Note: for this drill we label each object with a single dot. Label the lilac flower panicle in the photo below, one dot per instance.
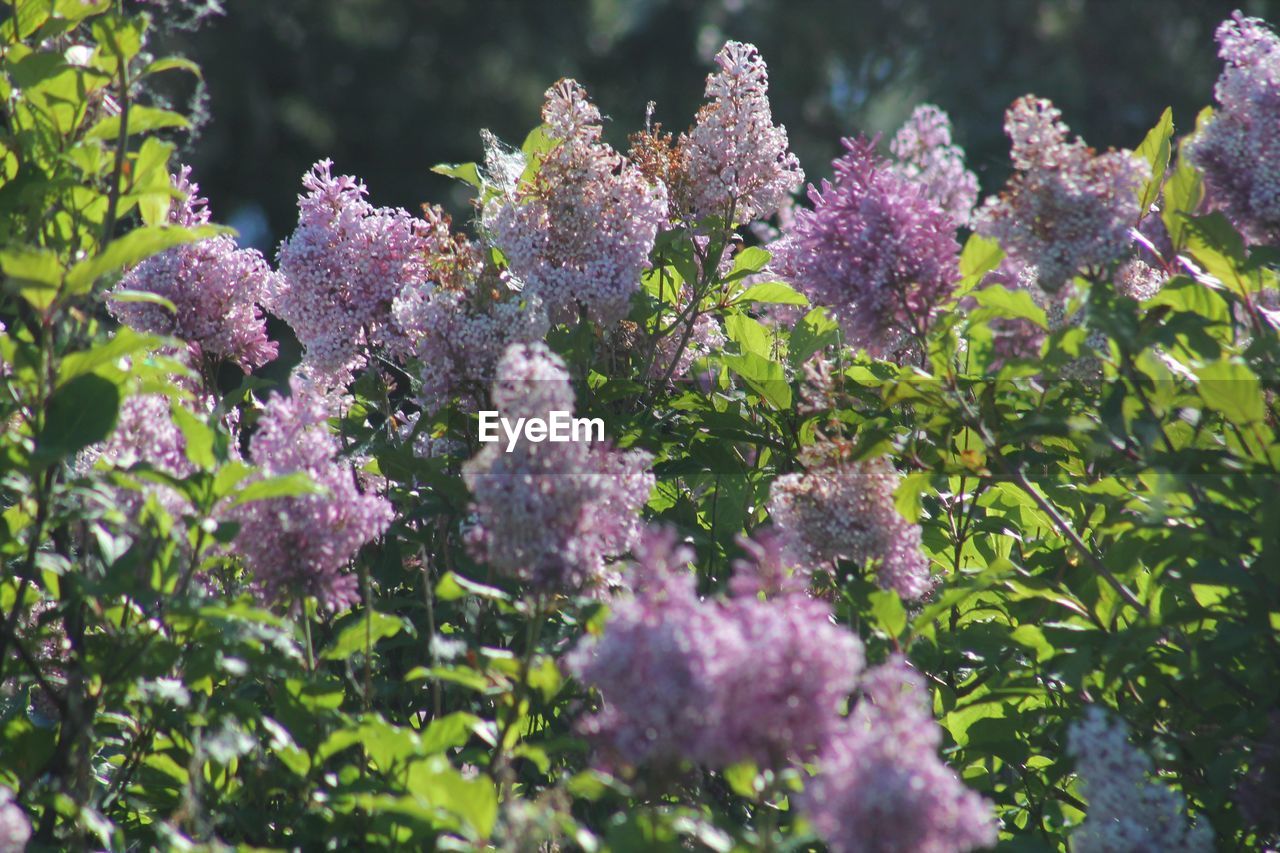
(769, 566)
(925, 153)
(712, 682)
(880, 785)
(552, 514)
(579, 233)
(1238, 149)
(735, 157)
(875, 248)
(1127, 811)
(846, 510)
(299, 545)
(215, 286)
(341, 269)
(1066, 207)
(458, 323)
(15, 827)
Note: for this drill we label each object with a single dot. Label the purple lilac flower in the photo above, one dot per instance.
(669, 359)
(215, 287)
(580, 231)
(458, 323)
(552, 513)
(341, 268)
(735, 158)
(299, 545)
(845, 510)
(15, 827)
(925, 153)
(711, 682)
(1127, 811)
(875, 248)
(1238, 149)
(1065, 207)
(880, 784)
(769, 567)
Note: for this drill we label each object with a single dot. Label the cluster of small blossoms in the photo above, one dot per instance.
(552, 513)
(1126, 811)
(875, 248)
(1238, 150)
(340, 270)
(844, 510)
(214, 286)
(1139, 280)
(880, 784)
(15, 828)
(146, 433)
(1066, 207)
(298, 546)
(925, 153)
(735, 160)
(579, 233)
(458, 323)
(712, 682)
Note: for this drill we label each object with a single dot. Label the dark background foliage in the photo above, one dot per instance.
(387, 88)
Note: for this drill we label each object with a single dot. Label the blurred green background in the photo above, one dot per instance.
(387, 88)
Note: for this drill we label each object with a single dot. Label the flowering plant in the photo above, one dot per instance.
(919, 524)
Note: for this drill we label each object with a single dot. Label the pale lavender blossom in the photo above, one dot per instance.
(15, 827)
(675, 352)
(1066, 207)
(735, 161)
(458, 322)
(1127, 810)
(215, 287)
(300, 545)
(1139, 280)
(711, 682)
(578, 234)
(845, 510)
(553, 514)
(924, 152)
(341, 268)
(769, 567)
(880, 785)
(1238, 149)
(875, 249)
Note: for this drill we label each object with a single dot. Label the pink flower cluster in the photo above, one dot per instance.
(925, 153)
(1066, 207)
(299, 545)
(845, 510)
(880, 785)
(458, 323)
(15, 827)
(1239, 149)
(875, 248)
(578, 234)
(1126, 810)
(712, 682)
(735, 160)
(214, 286)
(340, 270)
(552, 513)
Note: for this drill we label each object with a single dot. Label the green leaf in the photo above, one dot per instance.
(35, 273)
(369, 627)
(172, 63)
(198, 437)
(283, 486)
(889, 614)
(980, 256)
(133, 248)
(453, 586)
(80, 413)
(1155, 149)
(814, 331)
(749, 334)
(1232, 389)
(141, 120)
(142, 296)
(764, 376)
(468, 173)
(449, 731)
(771, 292)
(1183, 193)
(1004, 302)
